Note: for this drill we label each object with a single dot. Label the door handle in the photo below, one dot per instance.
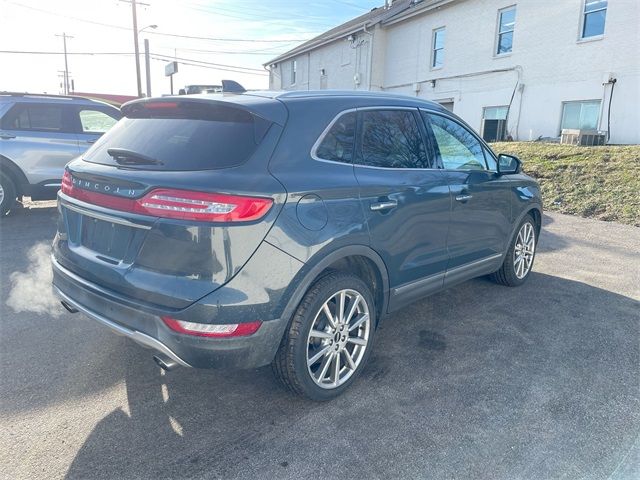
(463, 198)
(386, 205)
(6, 136)
(92, 141)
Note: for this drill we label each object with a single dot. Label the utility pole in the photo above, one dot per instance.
(147, 66)
(136, 48)
(66, 63)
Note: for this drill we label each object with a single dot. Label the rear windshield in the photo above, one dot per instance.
(226, 138)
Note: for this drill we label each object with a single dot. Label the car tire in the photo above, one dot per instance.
(519, 259)
(8, 194)
(340, 346)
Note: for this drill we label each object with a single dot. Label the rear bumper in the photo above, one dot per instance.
(150, 331)
(138, 337)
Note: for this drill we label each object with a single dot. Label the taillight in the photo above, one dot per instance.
(210, 330)
(67, 183)
(177, 204)
(208, 207)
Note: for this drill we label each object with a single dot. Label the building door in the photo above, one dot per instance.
(494, 123)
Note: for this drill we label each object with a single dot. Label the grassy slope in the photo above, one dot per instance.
(596, 182)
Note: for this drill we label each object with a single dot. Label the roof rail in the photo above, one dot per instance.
(46, 95)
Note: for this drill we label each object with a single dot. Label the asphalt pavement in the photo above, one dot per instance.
(478, 382)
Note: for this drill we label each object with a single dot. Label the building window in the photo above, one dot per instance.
(494, 123)
(437, 60)
(595, 13)
(580, 115)
(506, 26)
(294, 68)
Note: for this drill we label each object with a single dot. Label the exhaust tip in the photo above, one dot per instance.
(68, 307)
(165, 362)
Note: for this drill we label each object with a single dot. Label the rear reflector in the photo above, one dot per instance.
(177, 204)
(209, 330)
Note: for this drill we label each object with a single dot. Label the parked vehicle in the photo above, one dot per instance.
(196, 89)
(39, 135)
(248, 229)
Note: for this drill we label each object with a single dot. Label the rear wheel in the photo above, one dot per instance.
(7, 194)
(329, 339)
(519, 259)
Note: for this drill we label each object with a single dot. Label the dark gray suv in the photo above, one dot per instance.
(248, 229)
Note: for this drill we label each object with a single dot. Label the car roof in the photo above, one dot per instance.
(12, 97)
(268, 103)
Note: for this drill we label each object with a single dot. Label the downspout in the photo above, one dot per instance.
(370, 66)
(309, 70)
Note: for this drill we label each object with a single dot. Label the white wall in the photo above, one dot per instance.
(341, 60)
(549, 63)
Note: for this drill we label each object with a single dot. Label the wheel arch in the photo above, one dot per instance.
(360, 260)
(15, 173)
(534, 211)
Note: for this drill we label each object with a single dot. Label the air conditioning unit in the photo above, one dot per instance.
(583, 137)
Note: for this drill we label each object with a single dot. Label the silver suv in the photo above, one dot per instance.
(39, 135)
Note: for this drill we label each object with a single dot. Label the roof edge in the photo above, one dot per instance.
(320, 42)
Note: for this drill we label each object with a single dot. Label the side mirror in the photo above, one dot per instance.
(182, 91)
(508, 164)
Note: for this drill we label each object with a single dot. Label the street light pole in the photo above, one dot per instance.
(136, 49)
(147, 66)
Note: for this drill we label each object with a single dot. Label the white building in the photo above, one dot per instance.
(523, 70)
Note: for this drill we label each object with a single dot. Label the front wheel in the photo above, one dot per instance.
(329, 339)
(519, 259)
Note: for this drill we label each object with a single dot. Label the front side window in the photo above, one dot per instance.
(392, 139)
(595, 14)
(581, 115)
(338, 143)
(459, 149)
(42, 118)
(294, 68)
(95, 121)
(506, 26)
(437, 60)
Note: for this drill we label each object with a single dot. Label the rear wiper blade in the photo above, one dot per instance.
(122, 156)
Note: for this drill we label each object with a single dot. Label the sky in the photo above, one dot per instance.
(239, 36)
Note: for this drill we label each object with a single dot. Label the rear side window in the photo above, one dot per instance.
(217, 137)
(41, 118)
(95, 121)
(392, 139)
(338, 143)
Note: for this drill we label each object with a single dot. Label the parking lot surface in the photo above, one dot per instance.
(481, 381)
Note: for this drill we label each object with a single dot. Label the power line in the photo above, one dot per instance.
(211, 67)
(156, 56)
(168, 57)
(166, 34)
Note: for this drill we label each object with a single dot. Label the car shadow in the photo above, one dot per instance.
(506, 378)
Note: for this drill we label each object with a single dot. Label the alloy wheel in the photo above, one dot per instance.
(338, 338)
(524, 250)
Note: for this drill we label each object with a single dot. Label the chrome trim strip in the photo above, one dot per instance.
(418, 284)
(343, 112)
(138, 337)
(475, 263)
(104, 216)
(52, 185)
